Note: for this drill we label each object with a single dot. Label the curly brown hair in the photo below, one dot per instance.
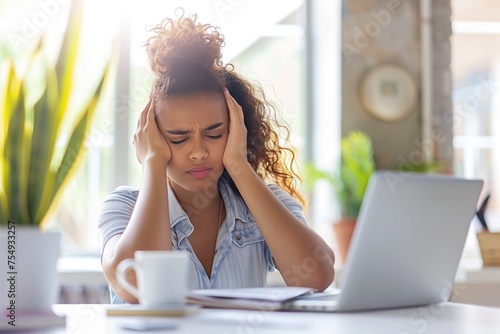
(186, 58)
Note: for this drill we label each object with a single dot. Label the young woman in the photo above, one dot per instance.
(214, 179)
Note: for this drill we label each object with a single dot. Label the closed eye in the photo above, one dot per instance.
(177, 141)
(215, 137)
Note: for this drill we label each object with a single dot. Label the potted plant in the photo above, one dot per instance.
(357, 164)
(349, 183)
(34, 167)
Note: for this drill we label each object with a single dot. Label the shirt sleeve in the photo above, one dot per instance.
(115, 212)
(288, 201)
(294, 207)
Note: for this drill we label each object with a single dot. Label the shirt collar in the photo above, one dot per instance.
(235, 206)
(175, 210)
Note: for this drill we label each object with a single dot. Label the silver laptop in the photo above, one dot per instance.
(406, 246)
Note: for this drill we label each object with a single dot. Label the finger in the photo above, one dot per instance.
(235, 110)
(230, 101)
(228, 98)
(150, 117)
(144, 113)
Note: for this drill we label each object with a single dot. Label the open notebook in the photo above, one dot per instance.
(264, 299)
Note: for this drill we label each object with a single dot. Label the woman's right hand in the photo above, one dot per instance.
(148, 141)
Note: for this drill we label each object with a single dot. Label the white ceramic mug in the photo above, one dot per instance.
(161, 277)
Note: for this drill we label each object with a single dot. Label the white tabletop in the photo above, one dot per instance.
(439, 318)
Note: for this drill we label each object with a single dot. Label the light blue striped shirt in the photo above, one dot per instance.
(242, 258)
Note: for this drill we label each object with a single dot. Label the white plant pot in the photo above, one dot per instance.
(28, 264)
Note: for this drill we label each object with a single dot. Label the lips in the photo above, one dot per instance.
(198, 169)
(200, 172)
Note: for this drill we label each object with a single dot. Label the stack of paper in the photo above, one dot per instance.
(263, 299)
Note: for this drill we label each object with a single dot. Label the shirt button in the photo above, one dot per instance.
(175, 237)
(238, 237)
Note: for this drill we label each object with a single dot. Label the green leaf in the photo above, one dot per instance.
(73, 149)
(357, 166)
(9, 96)
(68, 53)
(14, 164)
(46, 120)
(3, 216)
(34, 78)
(312, 174)
(351, 179)
(31, 175)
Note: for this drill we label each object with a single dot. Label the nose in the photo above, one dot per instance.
(198, 149)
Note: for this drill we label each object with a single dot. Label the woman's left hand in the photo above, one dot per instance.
(235, 153)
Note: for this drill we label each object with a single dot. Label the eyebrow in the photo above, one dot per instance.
(184, 132)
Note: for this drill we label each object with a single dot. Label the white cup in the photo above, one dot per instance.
(161, 277)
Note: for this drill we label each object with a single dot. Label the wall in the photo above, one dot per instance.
(388, 32)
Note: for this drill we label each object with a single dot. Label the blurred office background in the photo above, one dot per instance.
(311, 56)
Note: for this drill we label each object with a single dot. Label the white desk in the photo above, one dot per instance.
(439, 319)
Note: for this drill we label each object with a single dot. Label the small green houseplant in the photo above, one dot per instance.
(351, 179)
(357, 164)
(356, 167)
(33, 170)
(349, 183)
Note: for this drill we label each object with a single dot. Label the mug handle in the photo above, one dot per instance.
(121, 271)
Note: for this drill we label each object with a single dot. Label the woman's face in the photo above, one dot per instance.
(196, 129)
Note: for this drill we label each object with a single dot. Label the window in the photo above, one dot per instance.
(476, 101)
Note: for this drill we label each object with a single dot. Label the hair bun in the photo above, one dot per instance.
(184, 43)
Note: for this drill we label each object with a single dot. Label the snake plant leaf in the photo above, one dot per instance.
(14, 165)
(3, 205)
(73, 149)
(10, 94)
(47, 117)
(34, 78)
(68, 53)
(54, 104)
(31, 173)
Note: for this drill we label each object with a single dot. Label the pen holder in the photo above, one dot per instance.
(489, 244)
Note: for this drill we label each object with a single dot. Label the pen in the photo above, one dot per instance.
(480, 213)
